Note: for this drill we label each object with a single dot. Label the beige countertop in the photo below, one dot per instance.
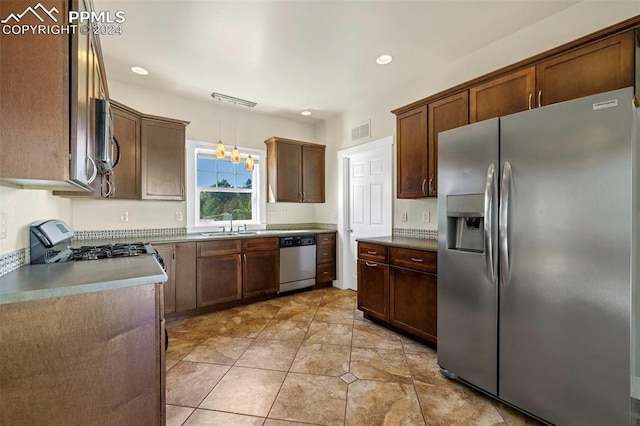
(33, 282)
(403, 242)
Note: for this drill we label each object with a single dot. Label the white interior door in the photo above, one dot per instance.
(368, 200)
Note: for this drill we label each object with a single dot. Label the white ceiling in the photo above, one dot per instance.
(293, 55)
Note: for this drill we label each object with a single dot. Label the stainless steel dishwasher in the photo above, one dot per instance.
(297, 262)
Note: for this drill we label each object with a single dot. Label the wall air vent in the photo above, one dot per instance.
(361, 131)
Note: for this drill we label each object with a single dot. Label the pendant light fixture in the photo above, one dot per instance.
(220, 146)
(235, 152)
(249, 164)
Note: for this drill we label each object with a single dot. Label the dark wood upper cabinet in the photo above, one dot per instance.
(313, 174)
(595, 68)
(444, 114)
(412, 153)
(507, 94)
(597, 63)
(162, 155)
(45, 114)
(295, 171)
(126, 175)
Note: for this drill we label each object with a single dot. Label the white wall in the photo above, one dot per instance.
(204, 116)
(25, 206)
(570, 24)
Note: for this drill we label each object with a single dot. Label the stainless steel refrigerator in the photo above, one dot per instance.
(537, 254)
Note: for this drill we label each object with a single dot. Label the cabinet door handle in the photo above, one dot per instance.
(304, 196)
(95, 170)
(530, 98)
(539, 98)
(424, 182)
(325, 273)
(300, 196)
(373, 265)
(415, 259)
(430, 188)
(371, 252)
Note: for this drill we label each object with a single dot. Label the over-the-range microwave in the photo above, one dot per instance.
(106, 143)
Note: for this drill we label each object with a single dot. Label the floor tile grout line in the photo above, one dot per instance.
(413, 383)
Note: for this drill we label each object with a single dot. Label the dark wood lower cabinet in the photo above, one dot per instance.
(167, 253)
(413, 302)
(80, 359)
(260, 273)
(399, 288)
(219, 279)
(373, 289)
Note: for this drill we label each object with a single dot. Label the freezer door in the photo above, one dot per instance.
(467, 280)
(565, 290)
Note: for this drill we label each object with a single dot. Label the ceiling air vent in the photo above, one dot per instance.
(361, 131)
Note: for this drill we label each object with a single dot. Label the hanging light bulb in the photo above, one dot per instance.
(249, 163)
(220, 150)
(235, 155)
(220, 146)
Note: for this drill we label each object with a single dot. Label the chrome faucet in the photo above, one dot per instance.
(231, 222)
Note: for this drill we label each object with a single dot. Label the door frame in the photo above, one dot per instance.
(344, 155)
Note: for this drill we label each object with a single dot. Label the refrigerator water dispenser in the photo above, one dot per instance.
(465, 222)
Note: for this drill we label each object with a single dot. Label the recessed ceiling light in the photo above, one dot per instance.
(306, 112)
(384, 59)
(139, 70)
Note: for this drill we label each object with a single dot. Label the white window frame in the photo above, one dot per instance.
(194, 224)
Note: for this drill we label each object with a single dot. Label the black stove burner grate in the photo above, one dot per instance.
(110, 250)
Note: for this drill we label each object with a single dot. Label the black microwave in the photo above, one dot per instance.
(107, 148)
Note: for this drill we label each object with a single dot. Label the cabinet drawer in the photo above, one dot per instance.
(326, 272)
(260, 244)
(326, 254)
(419, 260)
(216, 248)
(373, 252)
(326, 239)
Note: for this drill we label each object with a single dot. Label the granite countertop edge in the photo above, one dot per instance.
(426, 244)
(34, 282)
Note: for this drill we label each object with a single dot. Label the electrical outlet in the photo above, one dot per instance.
(3, 225)
(124, 217)
(179, 216)
(426, 216)
(405, 216)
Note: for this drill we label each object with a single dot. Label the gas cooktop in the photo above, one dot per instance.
(110, 250)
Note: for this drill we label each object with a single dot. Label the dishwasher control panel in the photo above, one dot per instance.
(297, 241)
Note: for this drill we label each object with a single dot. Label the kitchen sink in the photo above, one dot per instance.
(227, 234)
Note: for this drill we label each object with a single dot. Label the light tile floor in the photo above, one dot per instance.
(312, 358)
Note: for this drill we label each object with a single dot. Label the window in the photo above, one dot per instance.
(219, 190)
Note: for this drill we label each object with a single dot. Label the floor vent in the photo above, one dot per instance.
(361, 131)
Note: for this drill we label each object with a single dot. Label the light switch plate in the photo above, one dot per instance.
(3, 225)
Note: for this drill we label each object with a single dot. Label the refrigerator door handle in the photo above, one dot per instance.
(503, 226)
(488, 222)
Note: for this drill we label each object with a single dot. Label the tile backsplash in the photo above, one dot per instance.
(129, 233)
(431, 234)
(12, 261)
